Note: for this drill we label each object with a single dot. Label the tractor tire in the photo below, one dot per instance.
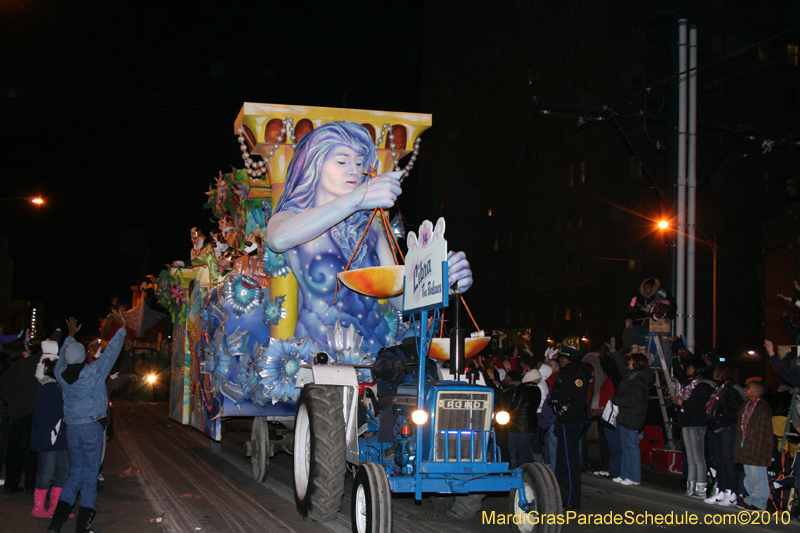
(371, 505)
(458, 507)
(541, 487)
(319, 453)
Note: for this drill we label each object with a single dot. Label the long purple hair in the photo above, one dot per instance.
(305, 169)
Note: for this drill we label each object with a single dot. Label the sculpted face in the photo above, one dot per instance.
(197, 242)
(340, 174)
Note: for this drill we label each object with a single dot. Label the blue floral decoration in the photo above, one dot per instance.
(274, 311)
(242, 293)
(344, 348)
(278, 367)
(275, 264)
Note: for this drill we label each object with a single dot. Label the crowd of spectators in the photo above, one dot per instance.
(724, 426)
(53, 417)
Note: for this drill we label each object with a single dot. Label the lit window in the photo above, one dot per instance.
(567, 314)
(631, 265)
(496, 243)
(791, 54)
(583, 171)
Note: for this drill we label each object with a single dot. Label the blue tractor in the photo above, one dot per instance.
(444, 447)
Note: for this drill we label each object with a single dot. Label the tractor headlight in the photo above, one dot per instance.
(419, 417)
(502, 418)
(151, 378)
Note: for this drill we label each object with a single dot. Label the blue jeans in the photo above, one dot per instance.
(614, 452)
(85, 443)
(757, 486)
(631, 464)
(519, 448)
(53, 469)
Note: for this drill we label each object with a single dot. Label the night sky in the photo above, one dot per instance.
(121, 114)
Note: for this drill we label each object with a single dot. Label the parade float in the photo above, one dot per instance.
(235, 312)
(281, 315)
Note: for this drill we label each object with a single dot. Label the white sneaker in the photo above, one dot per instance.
(617, 480)
(2, 482)
(628, 482)
(729, 499)
(601, 473)
(714, 496)
(100, 477)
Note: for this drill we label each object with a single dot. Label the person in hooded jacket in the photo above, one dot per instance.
(85, 407)
(722, 412)
(568, 400)
(632, 397)
(690, 413)
(49, 435)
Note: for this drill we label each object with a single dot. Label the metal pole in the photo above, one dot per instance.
(680, 290)
(691, 192)
(714, 308)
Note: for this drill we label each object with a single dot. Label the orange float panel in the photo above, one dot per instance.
(380, 281)
(440, 347)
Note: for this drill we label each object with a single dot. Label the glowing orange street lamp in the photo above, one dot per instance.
(663, 224)
(37, 200)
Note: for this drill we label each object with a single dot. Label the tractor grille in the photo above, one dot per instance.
(463, 424)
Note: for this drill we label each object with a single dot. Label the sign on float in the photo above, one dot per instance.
(426, 269)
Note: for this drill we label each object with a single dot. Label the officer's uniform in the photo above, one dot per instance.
(568, 400)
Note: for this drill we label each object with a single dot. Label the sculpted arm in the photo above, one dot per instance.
(287, 230)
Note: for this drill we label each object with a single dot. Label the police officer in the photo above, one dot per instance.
(568, 400)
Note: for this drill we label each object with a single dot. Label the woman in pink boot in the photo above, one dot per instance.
(48, 436)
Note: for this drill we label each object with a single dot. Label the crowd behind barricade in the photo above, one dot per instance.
(55, 419)
(736, 443)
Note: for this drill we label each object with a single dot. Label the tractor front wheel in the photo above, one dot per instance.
(371, 505)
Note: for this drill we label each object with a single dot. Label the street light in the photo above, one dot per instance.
(712, 242)
(33, 199)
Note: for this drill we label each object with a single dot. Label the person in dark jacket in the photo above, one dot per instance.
(394, 365)
(690, 413)
(632, 397)
(722, 412)
(753, 445)
(49, 435)
(568, 400)
(788, 369)
(524, 421)
(18, 389)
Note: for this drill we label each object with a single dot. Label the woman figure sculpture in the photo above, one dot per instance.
(326, 204)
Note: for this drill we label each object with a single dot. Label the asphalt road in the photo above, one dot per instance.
(190, 487)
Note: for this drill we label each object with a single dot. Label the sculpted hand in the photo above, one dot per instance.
(458, 270)
(378, 192)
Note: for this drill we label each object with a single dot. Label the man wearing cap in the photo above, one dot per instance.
(568, 399)
(85, 407)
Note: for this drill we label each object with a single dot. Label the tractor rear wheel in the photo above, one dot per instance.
(319, 453)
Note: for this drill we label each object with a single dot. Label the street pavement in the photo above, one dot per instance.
(181, 483)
